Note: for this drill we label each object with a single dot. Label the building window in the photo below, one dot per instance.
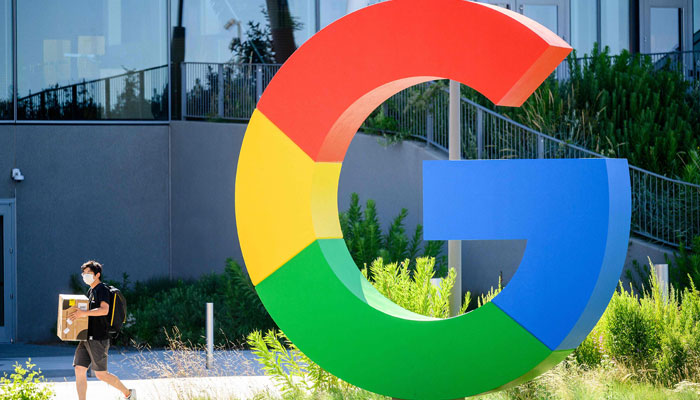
(6, 57)
(92, 60)
(614, 25)
(665, 29)
(696, 25)
(243, 30)
(584, 26)
(332, 10)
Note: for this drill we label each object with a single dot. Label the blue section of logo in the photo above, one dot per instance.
(575, 216)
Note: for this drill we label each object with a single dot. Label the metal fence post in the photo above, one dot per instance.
(183, 91)
(540, 147)
(142, 93)
(661, 274)
(210, 335)
(479, 134)
(258, 82)
(74, 101)
(108, 97)
(220, 91)
(429, 127)
(454, 247)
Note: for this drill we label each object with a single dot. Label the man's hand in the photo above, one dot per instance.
(77, 313)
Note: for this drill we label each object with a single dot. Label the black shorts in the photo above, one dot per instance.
(92, 352)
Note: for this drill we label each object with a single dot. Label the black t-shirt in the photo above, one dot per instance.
(98, 326)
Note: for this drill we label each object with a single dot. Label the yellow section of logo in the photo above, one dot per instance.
(284, 200)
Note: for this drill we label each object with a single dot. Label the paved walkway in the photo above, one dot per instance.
(56, 362)
(215, 388)
(158, 374)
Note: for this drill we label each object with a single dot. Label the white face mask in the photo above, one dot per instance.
(88, 278)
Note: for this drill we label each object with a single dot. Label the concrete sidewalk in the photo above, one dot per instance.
(56, 362)
(214, 388)
(157, 374)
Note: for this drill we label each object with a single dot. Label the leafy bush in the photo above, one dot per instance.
(656, 338)
(590, 352)
(650, 337)
(24, 384)
(291, 370)
(686, 264)
(157, 306)
(630, 330)
(237, 312)
(624, 106)
(363, 236)
(413, 289)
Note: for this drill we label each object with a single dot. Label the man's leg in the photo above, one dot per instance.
(98, 352)
(113, 381)
(81, 361)
(81, 381)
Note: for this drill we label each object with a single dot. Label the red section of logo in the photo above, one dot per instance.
(320, 98)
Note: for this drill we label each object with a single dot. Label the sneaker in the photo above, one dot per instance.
(132, 394)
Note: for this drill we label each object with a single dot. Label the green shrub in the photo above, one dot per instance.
(624, 106)
(630, 330)
(237, 310)
(413, 289)
(24, 384)
(590, 352)
(655, 336)
(366, 242)
(686, 264)
(410, 288)
(156, 306)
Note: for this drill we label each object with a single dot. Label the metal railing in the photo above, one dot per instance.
(685, 62)
(133, 95)
(663, 210)
(223, 91)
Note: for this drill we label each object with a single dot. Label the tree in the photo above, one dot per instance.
(283, 26)
(257, 49)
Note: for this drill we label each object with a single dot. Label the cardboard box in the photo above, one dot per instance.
(72, 329)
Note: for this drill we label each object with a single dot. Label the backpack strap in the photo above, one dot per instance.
(114, 302)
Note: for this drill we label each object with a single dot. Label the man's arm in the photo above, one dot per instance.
(95, 312)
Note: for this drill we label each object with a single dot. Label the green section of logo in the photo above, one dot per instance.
(345, 325)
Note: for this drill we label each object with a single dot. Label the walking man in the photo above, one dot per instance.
(93, 351)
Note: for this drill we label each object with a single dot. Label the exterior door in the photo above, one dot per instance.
(553, 14)
(666, 26)
(666, 30)
(7, 271)
(509, 4)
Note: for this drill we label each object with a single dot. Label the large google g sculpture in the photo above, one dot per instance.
(574, 214)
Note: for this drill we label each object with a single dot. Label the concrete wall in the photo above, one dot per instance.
(7, 156)
(393, 177)
(204, 160)
(158, 201)
(638, 251)
(90, 192)
(390, 175)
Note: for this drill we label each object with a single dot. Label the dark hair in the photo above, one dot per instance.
(94, 266)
